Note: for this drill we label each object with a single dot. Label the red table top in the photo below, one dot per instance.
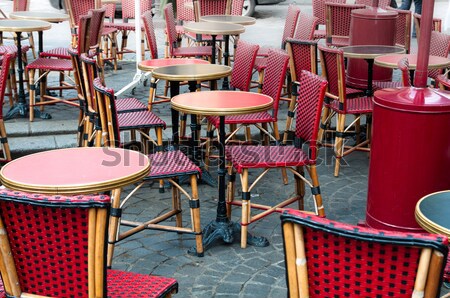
(390, 61)
(75, 170)
(221, 103)
(148, 65)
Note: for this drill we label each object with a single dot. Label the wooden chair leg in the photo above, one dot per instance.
(300, 188)
(246, 208)
(230, 189)
(208, 144)
(260, 81)
(195, 215)
(339, 143)
(114, 223)
(323, 124)
(32, 93)
(176, 206)
(4, 141)
(31, 40)
(316, 190)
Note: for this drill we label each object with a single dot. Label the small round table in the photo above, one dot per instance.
(390, 61)
(221, 103)
(52, 17)
(75, 171)
(219, 18)
(369, 53)
(150, 65)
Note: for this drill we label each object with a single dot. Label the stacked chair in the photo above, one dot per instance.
(326, 258)
(294, 158)
(6, 59)
(54, 246)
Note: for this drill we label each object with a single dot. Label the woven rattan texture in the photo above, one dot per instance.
(183, 13)
(290, 24)
(439, 46)
(128, 8)
(149, 29)
(340, 17)
(4, 72)
(128, 284)
(170, 164)
(302, 57)
(306, 25)
(382, 3)
(243, 65)
(129, 104)
(260, 117)
(236, 7)
(139, 119)
(60, 53)
(318, 7)
(212, 7)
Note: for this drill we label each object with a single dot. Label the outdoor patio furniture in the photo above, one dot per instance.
(319, 11)
(294, 158)
(326, 258)
(4, 72)
(403, 66)
(403, 28)
(342, 101)
(436, 24)
(302, 56)
(24, 5)
(54, 246)
(166, 165)
(443, 80)
(383, 4)
(439, 46)
(338, 17)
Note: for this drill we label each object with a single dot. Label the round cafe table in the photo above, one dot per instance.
(75, 171)
(219, 18)
(18, 27)
(222, 103)
(52, 17)
(390, 61)
(150, 65)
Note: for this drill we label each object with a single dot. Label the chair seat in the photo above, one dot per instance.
(139, 119)
(61, 53)
(171, 164)
(358, 105)
(319, 34)
(382, 85)
(121, 26)
(108, 30)
(340, 41)
(260, 117)
(192, 51)
(51, 64)
(243, 157)
(131, 104)
(129, 284)
(13, 49)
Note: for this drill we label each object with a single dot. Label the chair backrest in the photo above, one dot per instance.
(78, 8)
(403, 28)
(183, 13)
(318, 7)
(338, 19)
(443, 80)
(403, 65)
(98, 18)
(236, 7)
(439, 46)
(128, 8)
(302, 56)
(149, 29)
(311, 92)
(306, 25)
(381, 3)
(290, 23)
(333, 69)
(4, 73)
(211, 7)
(244, 60)
(274, 75)
(326, 258)
(90, 71)
(170, 27)
(436, 26)
(21, 5)
(54, 245)
(110, 11)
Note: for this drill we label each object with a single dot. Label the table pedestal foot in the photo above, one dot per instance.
(21, 110)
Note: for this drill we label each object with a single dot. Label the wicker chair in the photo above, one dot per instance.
(293, 158)
(4, 72)
(436, 26)
(403, 66)
(342, 101)
(318, 7)
(338, 17)
(166, 165)
(443, 81)
(326, 258)
(64, 255)
(403, 28)
(383, 4)
(439, 46)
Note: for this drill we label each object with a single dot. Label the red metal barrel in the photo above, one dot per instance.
(370, 26)
(410, 154)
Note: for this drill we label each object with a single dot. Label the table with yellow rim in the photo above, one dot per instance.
(390, 61)
(222, 103)
(232, 19)
(432, 212)
(52, 17)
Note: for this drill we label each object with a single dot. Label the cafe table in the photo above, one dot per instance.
(75, 171)
(18, 27)
(369, 53)
(51, 17)
(432, 214)
(390, 61)
(222, 103)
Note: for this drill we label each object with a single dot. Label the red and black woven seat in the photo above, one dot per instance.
(61, 256)
(171, 164)
(403, 66)
(340, 103)
(60, 53)
(139, 119)
(327, 258)
(293, 158)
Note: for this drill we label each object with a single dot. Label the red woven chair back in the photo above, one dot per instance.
(78, 8)
(338, 17)
(290, 24)
(4, 72)
(302, 56)
(49, 241)
(403, 28)
(306, 25)
(110, 11)
(274, 75)
(403, 65)
(170, 27)
(311, 92)
(326, 258)
(318, 7)
(90, 72)
(183, 13)
(381, 3)
(128, 8)
(332, 61)
(98, 18)
(21, 5)
(244, 60)
(149, 28)
(236, 7)
(211, 7)
(439, 46)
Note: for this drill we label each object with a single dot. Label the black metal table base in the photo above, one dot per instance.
(226, 231)
(21, 110)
